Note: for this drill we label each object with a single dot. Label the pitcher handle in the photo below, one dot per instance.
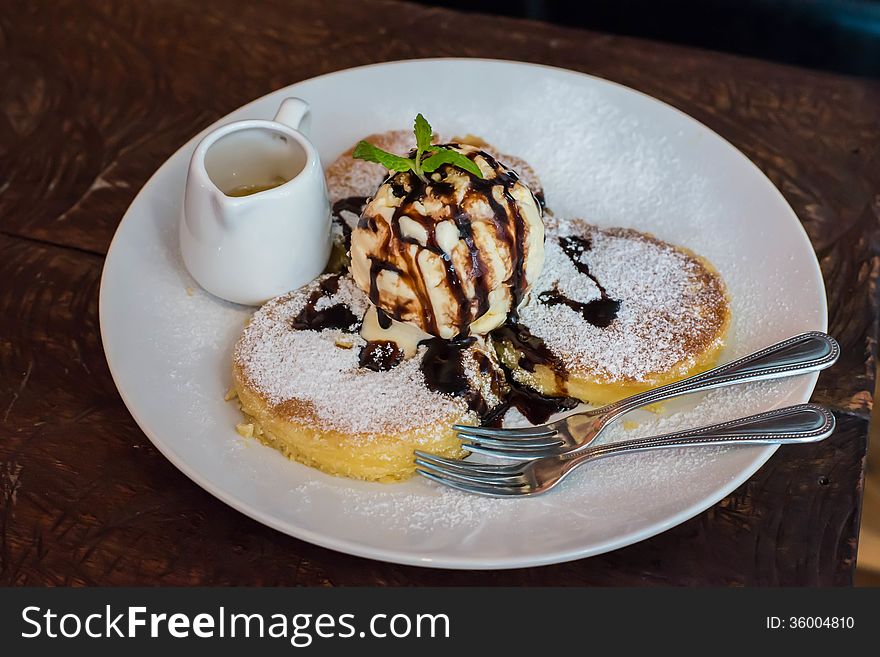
(292, 113)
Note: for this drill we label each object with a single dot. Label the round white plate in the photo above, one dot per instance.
(604, 152)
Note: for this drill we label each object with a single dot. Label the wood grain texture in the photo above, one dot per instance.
(98, 94)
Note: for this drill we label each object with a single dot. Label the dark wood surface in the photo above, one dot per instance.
(96, 95)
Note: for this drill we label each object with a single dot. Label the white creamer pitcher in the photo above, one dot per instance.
(256, 217)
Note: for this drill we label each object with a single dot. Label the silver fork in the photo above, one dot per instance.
(804, 423)
(807, 352)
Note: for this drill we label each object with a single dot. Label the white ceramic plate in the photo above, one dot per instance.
(604, 152)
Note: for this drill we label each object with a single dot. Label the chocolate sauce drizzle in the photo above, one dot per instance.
(534, 406)
(599, 312)
(517, 281)
(532, 349)
(380, 355)
(377, 267)
(383, 319)
(443, 365)
(443, 368)
(337, 316)
(411, 189)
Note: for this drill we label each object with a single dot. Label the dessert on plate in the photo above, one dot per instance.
(453, 297)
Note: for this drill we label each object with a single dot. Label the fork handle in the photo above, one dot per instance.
(807, 352)
(804, 423)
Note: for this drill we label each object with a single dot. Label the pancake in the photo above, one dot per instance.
(313, 388)
(614, 312)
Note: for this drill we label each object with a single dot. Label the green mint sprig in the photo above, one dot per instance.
(428, 156)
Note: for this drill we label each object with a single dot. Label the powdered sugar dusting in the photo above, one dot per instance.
(436, 509)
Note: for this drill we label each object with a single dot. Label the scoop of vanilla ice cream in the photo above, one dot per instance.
(452, 256)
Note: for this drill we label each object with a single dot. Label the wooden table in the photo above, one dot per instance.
(96, 95)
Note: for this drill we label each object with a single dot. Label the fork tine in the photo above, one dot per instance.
(515, 443)
(469, 466)
(491, 491)
(492, 432)
(470, 476)
(510, 453)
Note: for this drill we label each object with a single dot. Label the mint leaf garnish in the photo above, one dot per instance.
(423, 132)
(366, 151)
(448, 156)
(419, 164)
